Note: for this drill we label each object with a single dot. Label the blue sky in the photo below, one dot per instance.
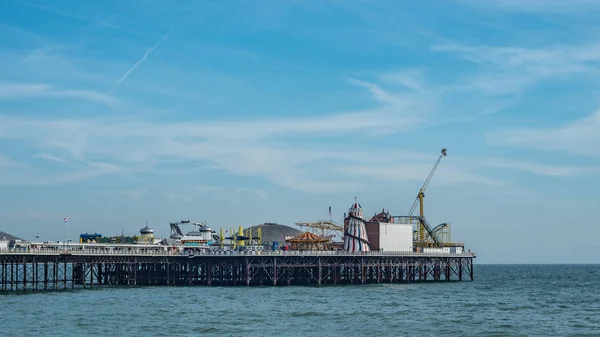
(114, 113)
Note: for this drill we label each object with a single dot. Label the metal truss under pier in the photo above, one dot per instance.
(31, 272)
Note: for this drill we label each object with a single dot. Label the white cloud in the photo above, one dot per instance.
(411, 79)
(80, 15)
(135, 194)
(580, 137)
(8, 162)
(207, 188)
(262, 194)
(19, 90)
(570, 58)
(447, 175)
(177, 196)
(542, 169)
(190, 192)
(245, 148)
(379, 94)
(231, 194)
(306, 153)
(11, 90)
(510, 70)
(308, 162)
(418, 105)
(537, 6)
(33, 175)
(51, 158)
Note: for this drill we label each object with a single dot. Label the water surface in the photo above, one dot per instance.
(504, 300)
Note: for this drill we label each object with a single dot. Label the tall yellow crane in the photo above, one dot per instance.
(423, 223)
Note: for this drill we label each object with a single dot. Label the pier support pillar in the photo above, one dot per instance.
(362, 270)
(248, 269)
(320, 272)
(275, 271)
(471, 267)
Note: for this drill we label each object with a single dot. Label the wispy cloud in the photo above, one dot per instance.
(137, 64)
(405, 101)
(190, 192)
(235, 194)
(449, 175)
(135, 194)
(133, 145)
(411, 78)
(11, 90)
(254, 147)
(402, 94)
(26, 174)
(378, 93)
(51, 158)
(580, 137)
(542, 169)
(8, 162)
(262, 194)
(543, 61)
(107, 22)
(537, 6)
(177, 196)
(506, 73)
(511, 69)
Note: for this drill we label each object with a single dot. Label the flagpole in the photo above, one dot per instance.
(66, 221)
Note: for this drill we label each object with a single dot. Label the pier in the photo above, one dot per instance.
(43, 270)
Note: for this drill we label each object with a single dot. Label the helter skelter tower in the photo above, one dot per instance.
(355, 236)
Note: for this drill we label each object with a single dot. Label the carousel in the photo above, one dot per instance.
(308, 241)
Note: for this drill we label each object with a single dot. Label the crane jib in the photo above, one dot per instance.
(419, 200)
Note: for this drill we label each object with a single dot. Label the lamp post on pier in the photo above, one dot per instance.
(66, 221)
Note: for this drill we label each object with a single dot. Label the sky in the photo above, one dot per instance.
(114, 113)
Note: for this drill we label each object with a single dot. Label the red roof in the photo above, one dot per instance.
(308, 237)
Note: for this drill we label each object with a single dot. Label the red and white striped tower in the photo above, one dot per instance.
(355, 237)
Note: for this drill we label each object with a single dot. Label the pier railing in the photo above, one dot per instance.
(226, 253)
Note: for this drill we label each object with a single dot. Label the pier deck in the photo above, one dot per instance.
(54, 270)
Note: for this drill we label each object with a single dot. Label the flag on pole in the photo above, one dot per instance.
(65, 219)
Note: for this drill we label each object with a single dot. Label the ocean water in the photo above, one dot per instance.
(504, 300)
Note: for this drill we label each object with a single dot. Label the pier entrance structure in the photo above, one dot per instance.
(38, 271)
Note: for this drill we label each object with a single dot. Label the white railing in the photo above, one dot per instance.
(338, 253)
(226, 253)
(45, 251)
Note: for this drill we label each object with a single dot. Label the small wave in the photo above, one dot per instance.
(206, 329)
(307, 314)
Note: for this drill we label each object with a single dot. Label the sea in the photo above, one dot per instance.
(503, 300)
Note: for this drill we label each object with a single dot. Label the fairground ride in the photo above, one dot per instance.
(424, 235)
(324, 228)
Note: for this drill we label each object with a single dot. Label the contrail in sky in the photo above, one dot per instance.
(139, 62)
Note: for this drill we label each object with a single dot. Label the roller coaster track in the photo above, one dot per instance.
(430, 231)
(422, 220)
(439, 227)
